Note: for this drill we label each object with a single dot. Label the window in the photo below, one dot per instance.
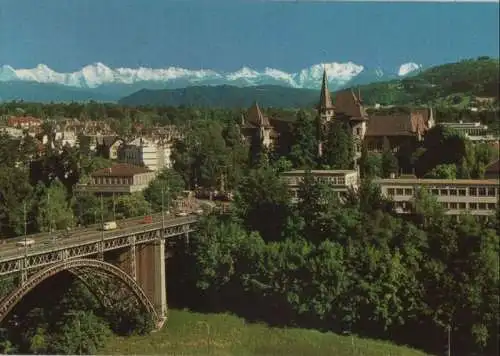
(462, 192)
(435, 191)
(482, 192)
(473, 192)
(482, 206)
(453, 205)
(462, 206)
(453, 192)
(399, 191)
(473, 206)
(444, 192)
(491, 206)
(408, 191)
(491, 192)
(444, 204)
(390, 191)
(341, 180)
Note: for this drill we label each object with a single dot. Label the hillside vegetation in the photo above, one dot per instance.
(455, 84)
(189, 333)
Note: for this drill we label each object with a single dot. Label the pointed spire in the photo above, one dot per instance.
(325, 99)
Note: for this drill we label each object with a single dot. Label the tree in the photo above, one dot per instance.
(370, 164)
(130, 205)
(168, 183)
(304, 136)
(443, 171)
(261, 202)
(338, 149)
(389, 160)
(237, 156)
(51, 212)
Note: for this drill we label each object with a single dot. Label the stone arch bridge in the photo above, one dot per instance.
(129, 261)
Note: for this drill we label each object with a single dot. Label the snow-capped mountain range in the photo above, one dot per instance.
(97, 75)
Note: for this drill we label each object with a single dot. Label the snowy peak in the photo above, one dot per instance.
(98, 74)
(408, 68)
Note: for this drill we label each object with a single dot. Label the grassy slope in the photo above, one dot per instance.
(186, 333)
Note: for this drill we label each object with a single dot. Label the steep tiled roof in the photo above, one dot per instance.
(120, 170)
(256, 118)
(397, 125)
(350, 104)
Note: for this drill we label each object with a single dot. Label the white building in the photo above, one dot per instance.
(154, 155)
(340, 180)
(474, 131)
(456, 196)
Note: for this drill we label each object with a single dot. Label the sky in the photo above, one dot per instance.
(226, 35)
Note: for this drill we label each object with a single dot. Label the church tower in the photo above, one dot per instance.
(326, 111)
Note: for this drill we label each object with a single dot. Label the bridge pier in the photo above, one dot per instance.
(151, 276)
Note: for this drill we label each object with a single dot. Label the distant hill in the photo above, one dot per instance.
(45, 93)
(225, 96)
(454, 84)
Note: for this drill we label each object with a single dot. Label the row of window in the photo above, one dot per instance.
(473, 191)
(112, 180)
(453, 205)
(330, 180)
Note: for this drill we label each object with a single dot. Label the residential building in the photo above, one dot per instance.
(108, 146)
(119, 179)
(457, 196)
(340, 180)
(12, 131)
(256, 128)
(153, 154)
(24, 122)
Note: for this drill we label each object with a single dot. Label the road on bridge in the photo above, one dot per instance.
(57, 239)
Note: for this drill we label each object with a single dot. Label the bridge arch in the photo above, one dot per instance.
(73, 266)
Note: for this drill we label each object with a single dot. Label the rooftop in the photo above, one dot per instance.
(120, 170)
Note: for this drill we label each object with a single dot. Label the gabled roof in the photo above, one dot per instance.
(350, 104)
(120, 170)
(412, 124)
(256, 118)
(325, 99)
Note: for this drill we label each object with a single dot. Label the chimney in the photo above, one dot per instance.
(393, 175)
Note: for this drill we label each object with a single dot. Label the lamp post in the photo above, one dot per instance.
(25, 232)
(102, 228)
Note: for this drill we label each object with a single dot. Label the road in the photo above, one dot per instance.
(46, 241)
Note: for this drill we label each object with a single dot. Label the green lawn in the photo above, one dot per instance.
(187, 333)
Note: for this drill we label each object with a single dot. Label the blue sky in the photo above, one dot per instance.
(226, 35)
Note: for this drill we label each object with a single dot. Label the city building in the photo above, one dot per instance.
(457, 196)
(119, 179)
(474, 131)
(24, 122)
(153, 154)
(340, 180)
(397, 129)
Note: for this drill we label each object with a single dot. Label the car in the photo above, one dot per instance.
(109, 225)
(199, 211)
(181, 213)
(147, 219)
(25, 243)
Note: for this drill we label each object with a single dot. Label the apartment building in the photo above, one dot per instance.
(457, 196)
(153, 154)
(339, 180)
(119, 179)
